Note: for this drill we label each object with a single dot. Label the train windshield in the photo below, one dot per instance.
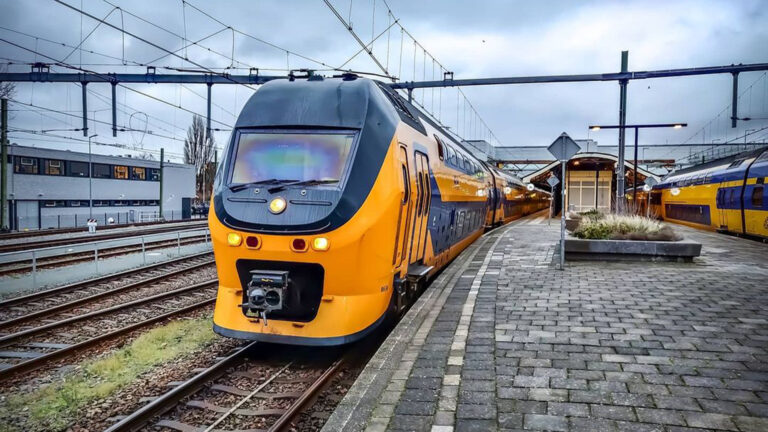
(294, 157)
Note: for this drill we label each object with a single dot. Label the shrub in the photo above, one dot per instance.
(624, 227)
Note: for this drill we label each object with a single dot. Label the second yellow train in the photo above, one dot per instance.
(727, 195)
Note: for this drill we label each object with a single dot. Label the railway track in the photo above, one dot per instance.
(55, 231)
(21, 246)
(42, 304)
(239, 393)
(25, 266)
(92, 317)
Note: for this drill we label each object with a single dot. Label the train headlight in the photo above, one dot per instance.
(674, 191)
(321, 244)
(234, 239)
(507, 190)
(529, 186)
(277, 205)
(646, 188)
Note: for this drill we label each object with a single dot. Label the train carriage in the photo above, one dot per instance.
(335, 202)
(726, 195)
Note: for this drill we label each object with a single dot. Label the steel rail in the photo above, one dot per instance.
(87, 255)
(4, 340)
(71, 304)
(82, 284)
(295, 409)
(35, 363)
(55, 231)
(15, 247)
(142, 416)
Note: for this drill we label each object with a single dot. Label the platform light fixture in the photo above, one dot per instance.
(636, 127)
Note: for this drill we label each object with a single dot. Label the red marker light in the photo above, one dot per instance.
(299, 245)
(252, 242)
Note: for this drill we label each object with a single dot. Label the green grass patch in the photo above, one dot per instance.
(56, 405)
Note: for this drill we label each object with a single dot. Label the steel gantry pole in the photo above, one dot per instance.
(4, 165)
(620, 186)
(634, 171)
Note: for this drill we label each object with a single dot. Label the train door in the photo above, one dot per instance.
(406, 205)
(421, 213)
(720, 202)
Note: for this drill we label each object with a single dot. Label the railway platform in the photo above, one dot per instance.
(502, 340)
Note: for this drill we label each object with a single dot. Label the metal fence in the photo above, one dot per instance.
(173, 243)
(24, 223)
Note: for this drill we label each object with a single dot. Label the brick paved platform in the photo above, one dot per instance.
(502, 340)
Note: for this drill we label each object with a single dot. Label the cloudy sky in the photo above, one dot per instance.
(473, 39)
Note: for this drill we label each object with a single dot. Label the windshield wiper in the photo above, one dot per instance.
(300, 183)
(241, 186)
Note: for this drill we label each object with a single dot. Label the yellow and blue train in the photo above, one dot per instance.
(728, 195)
(335, 202)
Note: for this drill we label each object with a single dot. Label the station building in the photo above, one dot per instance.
(50, 188)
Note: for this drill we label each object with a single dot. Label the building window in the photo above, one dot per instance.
(54, 203)
(154, 174)
(78, 203)
(25, 165)
(54, 167)
(121, 172)
(101, 203)
(78, 169)
(102, 171)
(138, 173)
(119, 203)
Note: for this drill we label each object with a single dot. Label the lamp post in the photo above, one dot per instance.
(636, 127)
(90, 178)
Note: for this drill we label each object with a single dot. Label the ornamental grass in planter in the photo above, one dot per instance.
(623, 227)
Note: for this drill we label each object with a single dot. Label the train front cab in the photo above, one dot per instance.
(422, 208)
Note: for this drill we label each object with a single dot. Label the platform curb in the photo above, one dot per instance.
(355, 410)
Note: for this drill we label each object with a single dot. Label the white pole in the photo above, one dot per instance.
(562, 218)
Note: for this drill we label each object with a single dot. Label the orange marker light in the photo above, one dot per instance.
(321, 244)
(234, 239)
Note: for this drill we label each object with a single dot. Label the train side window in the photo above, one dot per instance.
(735, 163)
(154, 174)
(419, 193)
(406, 186)
(425, 188)
(757, 197)
(440, 149)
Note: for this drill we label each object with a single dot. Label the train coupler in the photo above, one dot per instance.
(266, 293)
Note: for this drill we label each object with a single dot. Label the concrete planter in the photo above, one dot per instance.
(631, 250)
